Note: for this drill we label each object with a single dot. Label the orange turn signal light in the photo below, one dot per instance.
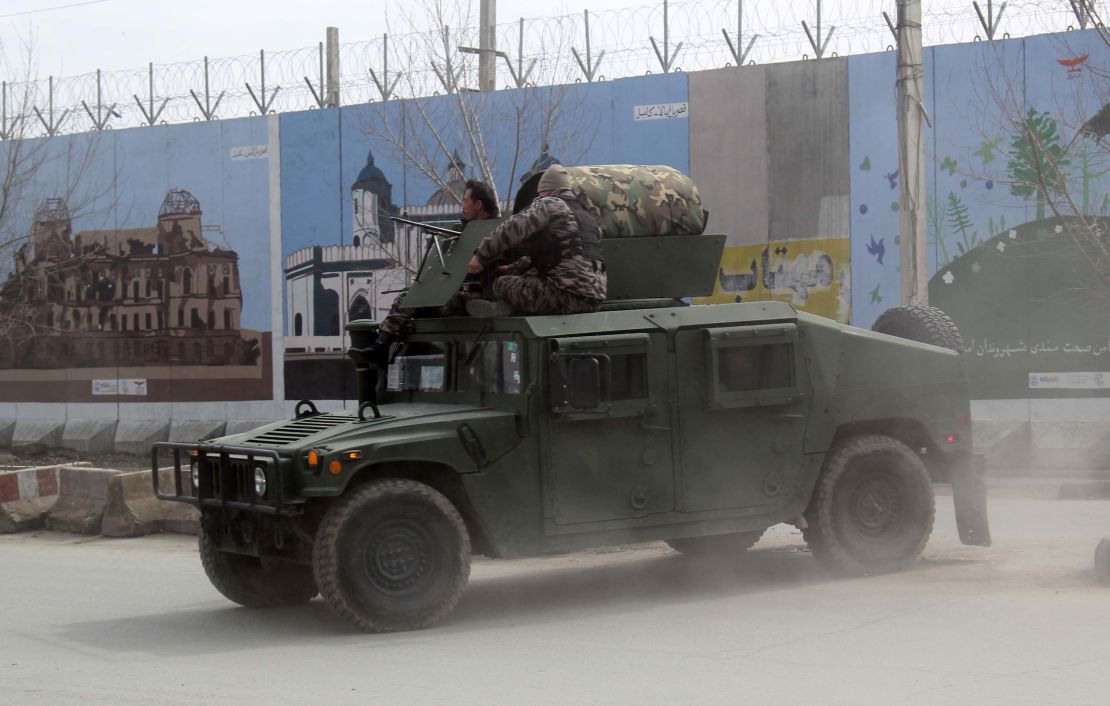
(352, 455)
(335, 468)
(313, 459)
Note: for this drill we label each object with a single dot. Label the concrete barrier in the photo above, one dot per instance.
(25, 497)
(7, 428)
(133, 510)
(1067, 445)
(89, 436)
(240, 426)
(1006, 443)
(82, 500)
(134, 436)
(190, 430)
(35, 436)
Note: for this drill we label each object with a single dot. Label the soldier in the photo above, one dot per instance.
(478, 204)
(564, 271)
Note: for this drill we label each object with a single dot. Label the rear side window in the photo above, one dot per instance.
(760, 367)
(752, 365)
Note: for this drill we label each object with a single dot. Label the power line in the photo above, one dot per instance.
(51, 9)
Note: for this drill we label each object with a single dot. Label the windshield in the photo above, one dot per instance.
(483, 366)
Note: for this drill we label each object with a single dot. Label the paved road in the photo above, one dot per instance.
(96, 621)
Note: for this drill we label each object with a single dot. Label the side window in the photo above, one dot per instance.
(623, 365)
(752, 366)
(759, 367)
(489, 366)
(629, 376)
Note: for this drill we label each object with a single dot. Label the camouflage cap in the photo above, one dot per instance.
(556, 178)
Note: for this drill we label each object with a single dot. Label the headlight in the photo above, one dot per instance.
(194, 472)
(260, 481)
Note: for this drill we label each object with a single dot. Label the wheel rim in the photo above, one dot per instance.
(876, 505)
(398, 558)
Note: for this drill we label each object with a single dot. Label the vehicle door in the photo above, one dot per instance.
(744, 394)
(608, 458)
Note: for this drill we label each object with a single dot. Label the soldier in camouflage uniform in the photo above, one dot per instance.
(478, 204)
(564, 272)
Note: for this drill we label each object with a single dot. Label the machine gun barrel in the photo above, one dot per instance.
(436, 230)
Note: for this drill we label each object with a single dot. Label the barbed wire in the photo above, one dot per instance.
(690, 32)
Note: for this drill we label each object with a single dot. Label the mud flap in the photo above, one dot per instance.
(969, 495)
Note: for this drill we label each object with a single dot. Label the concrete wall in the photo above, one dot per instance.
(796, 163)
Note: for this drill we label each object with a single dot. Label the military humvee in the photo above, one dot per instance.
(700, 426)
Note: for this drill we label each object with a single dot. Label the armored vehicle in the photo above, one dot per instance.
(700, 426)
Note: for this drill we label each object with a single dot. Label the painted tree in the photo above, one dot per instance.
(1037, 166)
(960, 222)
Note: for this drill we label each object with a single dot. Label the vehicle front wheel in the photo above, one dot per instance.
(716, 545)
(252, 582)
(872, 510)
(393, 554)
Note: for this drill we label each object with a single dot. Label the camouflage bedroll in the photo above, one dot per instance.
(633, 200)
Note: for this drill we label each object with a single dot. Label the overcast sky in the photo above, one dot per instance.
(78, 36)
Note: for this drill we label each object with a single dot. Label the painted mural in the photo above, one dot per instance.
(1018, 195)
(811, 275)
(127, 282)
(343, 256)
(148, 262)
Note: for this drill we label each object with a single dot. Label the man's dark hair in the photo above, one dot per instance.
(480, 192)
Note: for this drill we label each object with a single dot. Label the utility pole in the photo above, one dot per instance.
(913, 229)
(332, 100)
(487, 46)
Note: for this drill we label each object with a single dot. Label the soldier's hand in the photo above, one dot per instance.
(474, 267)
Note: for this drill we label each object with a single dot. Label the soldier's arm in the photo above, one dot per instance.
(517, 229)
(519, 267)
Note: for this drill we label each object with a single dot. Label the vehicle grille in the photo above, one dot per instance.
(300, 429)
(242, 476)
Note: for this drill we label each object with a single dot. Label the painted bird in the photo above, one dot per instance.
(877, 249)
(1072, 63)
(892, 178)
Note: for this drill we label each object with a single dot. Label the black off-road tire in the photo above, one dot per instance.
(924, 324)
(1102, 561)
(393, 554)
(252, 582)
(716, 545)
(873, 508)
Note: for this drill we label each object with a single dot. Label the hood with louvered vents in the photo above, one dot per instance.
(299, 429)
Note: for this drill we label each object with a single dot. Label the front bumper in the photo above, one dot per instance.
(225, 477)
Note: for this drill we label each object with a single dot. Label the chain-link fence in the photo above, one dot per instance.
(686, 35)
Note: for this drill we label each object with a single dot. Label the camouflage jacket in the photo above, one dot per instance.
(574, 274)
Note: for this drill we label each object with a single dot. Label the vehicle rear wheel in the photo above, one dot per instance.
(393, 554)
(925, 324)
(1102, 561)
(872, 510)
(252, 582)
(716, 545)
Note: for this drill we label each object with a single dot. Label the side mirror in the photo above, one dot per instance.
(580, 383)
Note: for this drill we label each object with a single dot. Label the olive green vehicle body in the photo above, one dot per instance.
(708, 420)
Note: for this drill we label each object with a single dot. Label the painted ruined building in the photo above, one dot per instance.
(159, 295)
